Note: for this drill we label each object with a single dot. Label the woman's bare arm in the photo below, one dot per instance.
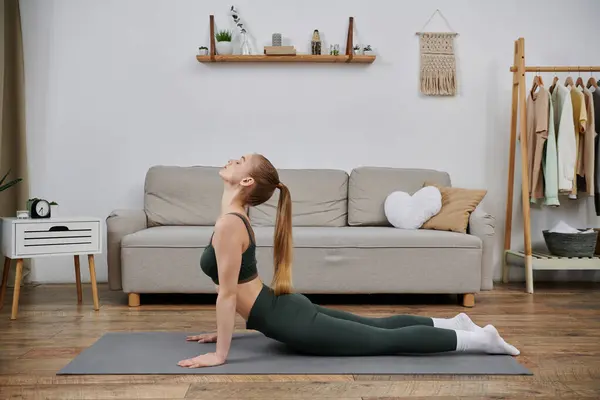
(228, 242)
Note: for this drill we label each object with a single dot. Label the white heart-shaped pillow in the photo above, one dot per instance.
(410, 212)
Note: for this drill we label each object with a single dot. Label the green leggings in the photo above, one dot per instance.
(308, 328)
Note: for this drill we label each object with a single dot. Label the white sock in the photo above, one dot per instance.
(486, 340)
(460, 322)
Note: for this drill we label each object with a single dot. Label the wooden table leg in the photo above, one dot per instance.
(78, 279)
(93, 279)
(17, 291)
(4, 280)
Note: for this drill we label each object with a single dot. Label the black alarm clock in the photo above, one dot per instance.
(40, 209)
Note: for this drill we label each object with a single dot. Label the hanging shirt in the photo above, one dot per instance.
(550, 161)
(579, 122)
(589, 160)
(596, 98)
(537, 133)
(565, 141)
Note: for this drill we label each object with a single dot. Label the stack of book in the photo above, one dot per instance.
(280, 51)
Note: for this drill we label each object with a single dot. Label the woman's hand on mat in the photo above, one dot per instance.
(204, 338)
(204, 360)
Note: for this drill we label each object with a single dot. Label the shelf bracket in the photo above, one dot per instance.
(349, 40)
(212, 38)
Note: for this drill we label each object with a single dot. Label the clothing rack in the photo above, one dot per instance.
(531, 261)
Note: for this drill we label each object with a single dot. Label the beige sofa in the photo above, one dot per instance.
(343, 242)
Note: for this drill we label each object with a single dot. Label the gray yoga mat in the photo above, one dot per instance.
(252, 353)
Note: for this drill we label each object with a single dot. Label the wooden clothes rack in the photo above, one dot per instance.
(531, 261)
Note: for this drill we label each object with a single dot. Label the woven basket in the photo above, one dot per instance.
(571, 244)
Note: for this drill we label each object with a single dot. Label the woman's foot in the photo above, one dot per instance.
(460, 322)
(486, 340)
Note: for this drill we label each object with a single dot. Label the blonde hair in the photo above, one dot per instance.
(266, 180)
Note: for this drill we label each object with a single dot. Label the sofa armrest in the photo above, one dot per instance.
(483, 225)
(120, 223)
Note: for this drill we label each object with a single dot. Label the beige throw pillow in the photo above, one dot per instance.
(457, 205)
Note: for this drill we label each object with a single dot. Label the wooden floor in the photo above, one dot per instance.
(557, 330)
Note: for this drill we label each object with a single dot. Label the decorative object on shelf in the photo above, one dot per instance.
(22, 214)
(357, 50)
(334, 49)
(315, 44)
(367, 50)
(245, 45)
(276, 40)
(245, 48)
(203, 50)
(224, 45)
(280, 50)
(438, 61)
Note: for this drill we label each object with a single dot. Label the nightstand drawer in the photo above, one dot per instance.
(57, 237)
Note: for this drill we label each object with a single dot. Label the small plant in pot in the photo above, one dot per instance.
(357, 50)
(367, 51)
(203, 51)
(223, 44)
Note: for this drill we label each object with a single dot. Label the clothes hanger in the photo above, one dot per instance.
(569, 81)
(592, 82)
(554, 81)
(537, 82)
(579, 81)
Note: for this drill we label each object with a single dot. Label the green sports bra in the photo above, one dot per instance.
(248, 270)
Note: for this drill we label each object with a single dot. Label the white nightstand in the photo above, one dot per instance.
(31, 238)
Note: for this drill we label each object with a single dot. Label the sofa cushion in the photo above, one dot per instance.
(309, 237)
(369, 237)
(176, 195)
(457, 206)
(165, 259)
(319, 198)
(368, 188)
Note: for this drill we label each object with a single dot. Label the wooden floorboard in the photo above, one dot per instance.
(557, 330)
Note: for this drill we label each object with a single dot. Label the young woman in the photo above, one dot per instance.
(229, 260)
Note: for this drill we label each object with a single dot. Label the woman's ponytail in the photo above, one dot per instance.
(283, 244)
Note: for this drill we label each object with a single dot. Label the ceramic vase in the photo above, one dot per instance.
(224, 48)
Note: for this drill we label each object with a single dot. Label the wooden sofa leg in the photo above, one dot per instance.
(468, 300)
(134, 300)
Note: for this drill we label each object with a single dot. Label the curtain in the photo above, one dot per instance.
(13, 152)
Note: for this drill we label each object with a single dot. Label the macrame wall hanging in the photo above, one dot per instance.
(438, 62)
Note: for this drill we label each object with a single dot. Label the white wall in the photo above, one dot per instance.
(119, 79)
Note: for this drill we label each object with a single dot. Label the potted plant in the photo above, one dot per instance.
(356, 50)
(223, 44)
(203, 50)
(367, 51)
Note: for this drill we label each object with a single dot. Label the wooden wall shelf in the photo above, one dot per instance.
(301, 58)
(348, 58)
